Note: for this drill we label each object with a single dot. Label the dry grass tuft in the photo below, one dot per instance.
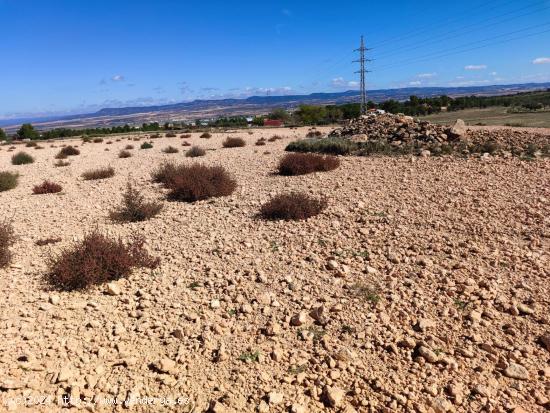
(260, 142)
(61, 163)
(195, 151)
(21, 158)
(170, 135)
(8, 180)
(7, 239)
(206, 135)
(146, 145)
(125, 154)
(185, 136)
(292, 206)
(304, 163)
(134, 207)
(47, 187)
(275, 138)
(170, 149)
(100, 173)
(129, 147)
(231, 142)
(47, 241)
(96, 260)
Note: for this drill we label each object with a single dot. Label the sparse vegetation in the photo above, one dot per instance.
(165, 173)
(260, 142)
(206, 135)
(60, 163)
(275, 138)
(124, 154)
(129, 147)
(190, 183)
(185, 136)
(304, 163)
(233, 142)
(185, 143)
(47, 187)
(67, 151)
(95, 260)
(146, 145)
(47, 241)
(292, 206)
(134, 207)
(7, 239)
(195, 151)
(21, 158)
(8, 180)
(100, 173)
(333, 146)
(170, 135)
(170, 149)
(314, 134)
(98, 140)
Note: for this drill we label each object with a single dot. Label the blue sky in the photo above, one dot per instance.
(67, 56)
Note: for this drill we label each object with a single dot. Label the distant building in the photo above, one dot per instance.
(273, 122)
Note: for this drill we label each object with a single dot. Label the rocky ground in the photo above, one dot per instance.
(422, 288)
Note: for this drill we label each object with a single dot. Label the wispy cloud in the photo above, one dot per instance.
(339, 83)
(541, 61)
(415, 83)
(117, 78)
(426, 75)
(475, 67)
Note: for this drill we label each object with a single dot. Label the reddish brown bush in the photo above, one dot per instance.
(314, 134)
(100, 173)
(170, 135)
(197, 182)
(165, 173)
(98, 140)
(47, 241)
(134, 207)
(129, 147)
(95, 260)
(260, 142)
(304, 163)
(47, 187)
(292, 206)
(125, 154)
(206, 135)
(7, 239)
(275, 138)
(185, 136)
(185, 143)
(231, 142)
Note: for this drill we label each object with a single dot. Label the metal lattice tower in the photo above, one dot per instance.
(362, 71)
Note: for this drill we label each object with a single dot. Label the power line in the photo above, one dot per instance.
(444, 53)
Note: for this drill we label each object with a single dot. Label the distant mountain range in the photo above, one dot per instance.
(252, 105)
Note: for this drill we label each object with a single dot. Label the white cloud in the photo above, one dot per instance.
(338, 82)
(353, 84)
(541, 60)
(493, 73)
(117, 78)
(469, 83)
(415, 83)
(475, 67)
(426, 75)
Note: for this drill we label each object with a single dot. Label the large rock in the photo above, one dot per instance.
(458, 130)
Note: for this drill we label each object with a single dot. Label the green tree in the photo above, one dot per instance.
(3, 135)
(311, 115)
(279, 114)
(27, 131)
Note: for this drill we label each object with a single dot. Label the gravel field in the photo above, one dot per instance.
(423, 287)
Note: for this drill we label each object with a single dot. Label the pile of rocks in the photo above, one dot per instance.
(399, 129)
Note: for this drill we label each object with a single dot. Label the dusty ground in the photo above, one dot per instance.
(427, 277)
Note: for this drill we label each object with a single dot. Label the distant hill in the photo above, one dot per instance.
(254, 104)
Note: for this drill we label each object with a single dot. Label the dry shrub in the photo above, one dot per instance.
(165, 173)
(95, 260)
(185, 136)
(196, 182)
(231, 142)
(47, 241)
(154, 136)
(7, 239)
(304, 163)
(129, 147)
(170, 149)
(109, 143)
(260, 142)
(66, 152)
(170, 135)
(292, 206)
(98, 140)
(47, 187)
(38, 147)
(30, 144)
(146, 145)
(124, 154)
(8, 180)
(314, 134)
(206, 135)
(21, 158)
(195, 151)
(100, 173)
(61, 163)
(275, 138)
(134, 207)
(185, 143)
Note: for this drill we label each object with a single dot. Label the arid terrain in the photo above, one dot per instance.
(423, 287)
